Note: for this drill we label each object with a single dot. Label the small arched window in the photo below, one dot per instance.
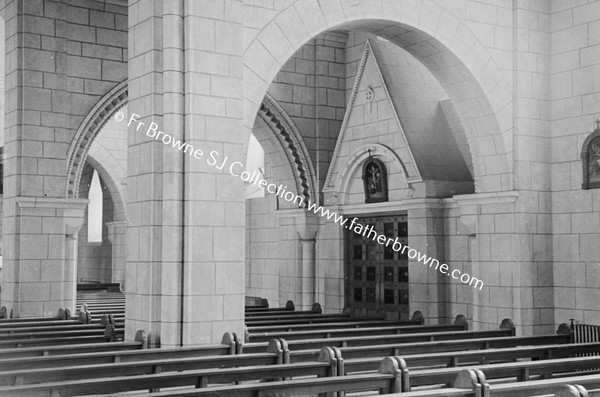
(95, 210)
(590, 155)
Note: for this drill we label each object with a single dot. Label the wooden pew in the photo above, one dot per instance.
(83, 295)
(416, 319)
(283, 318)
(576, 391)
(288, 310)
(472, 383)
(315, 319)
(304, 317)
(35, 324)
(81, 355)
(105, 310)
(255, 302)
(109, 287)
(311, 344)
(402, 347)
(108, 303)
(264, 308)
(323, 379)
(362, 360)
(341, 324)
(96, 316)
(41, 342)
(468, 383)
(344, 332)
(27, 353)
(27, 320)
(522, 371)
(44, 327)
(49, 339)
(539, 387)
(100, 302)
(70, 331)
(145, 362)
(369, 359)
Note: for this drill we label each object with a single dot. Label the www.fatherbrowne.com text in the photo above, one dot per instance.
(238, 169)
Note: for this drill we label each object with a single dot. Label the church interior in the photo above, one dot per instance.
(300, 197)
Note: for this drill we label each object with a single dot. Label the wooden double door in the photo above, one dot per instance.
(376, 276)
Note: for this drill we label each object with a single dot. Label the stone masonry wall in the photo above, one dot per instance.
(575, 88)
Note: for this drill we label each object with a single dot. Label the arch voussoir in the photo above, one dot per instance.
(293, 27)
(313, 17)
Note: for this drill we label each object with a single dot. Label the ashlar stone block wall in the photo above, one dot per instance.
(575, 93)
(61, 58)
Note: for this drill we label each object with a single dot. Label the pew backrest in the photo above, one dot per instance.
(311, 344)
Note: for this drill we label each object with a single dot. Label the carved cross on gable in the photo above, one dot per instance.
(369, 96)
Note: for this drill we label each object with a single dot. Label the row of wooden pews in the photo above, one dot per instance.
(289, 352)
(44, 332)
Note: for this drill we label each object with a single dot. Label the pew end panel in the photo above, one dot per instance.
(565, 329)
(473, 380)
(333, 358)
(231, 340)
(396, 366)
(507, 323)
(418, 316)
(141, 337)
(461, 320)
(64, 313)
(275, 346)
(571, 391)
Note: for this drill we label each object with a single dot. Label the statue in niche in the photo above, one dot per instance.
(590, 154)
(374, 180)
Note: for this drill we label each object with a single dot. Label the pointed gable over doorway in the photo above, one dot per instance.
(371, 119)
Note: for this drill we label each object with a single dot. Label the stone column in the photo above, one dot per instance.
(488, 219)
(300, 276)
(69, 293)
(309, 277)
(427, 286)
(117, 233)
(40, 268)
(185, 263)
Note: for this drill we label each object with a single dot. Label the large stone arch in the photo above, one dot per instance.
(428, 31)
(87, 132)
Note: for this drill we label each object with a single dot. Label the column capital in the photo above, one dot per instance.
(114, 224)
(307, 223)
(465, 201)
(71, 210)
